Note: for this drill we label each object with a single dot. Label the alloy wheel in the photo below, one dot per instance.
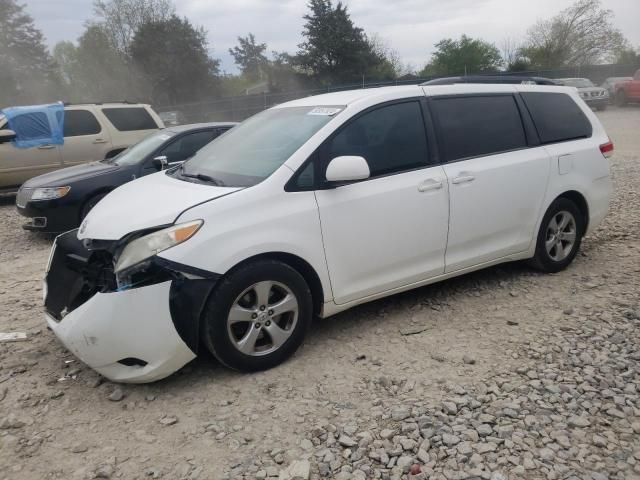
(561, 235)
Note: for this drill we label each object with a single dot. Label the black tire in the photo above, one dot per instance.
(542, 259)
(214, 329)
(601, 108)
(621, 98)
(89, 204)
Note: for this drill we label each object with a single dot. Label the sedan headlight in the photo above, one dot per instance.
(145, 247)
(49, 193)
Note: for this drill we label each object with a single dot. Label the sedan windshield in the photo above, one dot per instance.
(143, 148)
(578, 82)
(250, 152)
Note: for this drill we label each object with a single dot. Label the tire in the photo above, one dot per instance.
(601, 108)
(89, 204)
(553, 256)
(259, 339)
(621, 98)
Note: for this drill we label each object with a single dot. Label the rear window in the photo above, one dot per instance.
(127, 119)
(478, 126)
(557, 117)
(80, 122)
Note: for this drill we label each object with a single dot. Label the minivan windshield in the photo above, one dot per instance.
(143, 148)
(578, 82)
(252, 151)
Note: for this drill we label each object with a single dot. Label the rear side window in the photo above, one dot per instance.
(478, 126)
(391, 139)
(557, 117)
(80, 122)
(127, 119)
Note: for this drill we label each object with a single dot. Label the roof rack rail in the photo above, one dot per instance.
(100, 103)
(500, 79)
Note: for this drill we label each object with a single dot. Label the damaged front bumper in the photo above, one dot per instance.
(137, 333)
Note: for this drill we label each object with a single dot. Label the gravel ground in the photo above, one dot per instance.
(504, 373)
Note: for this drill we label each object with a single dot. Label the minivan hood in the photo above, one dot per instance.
(148, 202)
(65, 176)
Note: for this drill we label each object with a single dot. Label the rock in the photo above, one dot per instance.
(400, 413)
(79, 448)
(10, 422)
(578, 421)
(450, 407)
(116, 395)
(387, 433)
(450, 440)
(298, 470)
(484, 430)
(347, 441)
(166, 421)
(512, 323)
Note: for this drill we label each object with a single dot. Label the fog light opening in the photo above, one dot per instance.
(133, 362)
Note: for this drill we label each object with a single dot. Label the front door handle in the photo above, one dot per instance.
(46, 147)
(99, 140)
(428, 185)
(463, 179)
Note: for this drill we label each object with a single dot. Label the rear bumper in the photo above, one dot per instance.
(139, 332)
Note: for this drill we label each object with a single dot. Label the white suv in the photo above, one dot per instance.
(318, 205)
(92, 132)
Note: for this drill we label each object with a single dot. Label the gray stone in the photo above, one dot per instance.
(116, 395)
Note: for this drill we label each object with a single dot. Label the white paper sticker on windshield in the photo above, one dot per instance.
(328, 111)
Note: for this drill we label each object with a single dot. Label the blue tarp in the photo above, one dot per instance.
(36, 124)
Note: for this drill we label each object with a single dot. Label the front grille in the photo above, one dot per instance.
(23, 197)
(75, 275)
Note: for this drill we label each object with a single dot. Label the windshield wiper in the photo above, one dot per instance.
(201, 176)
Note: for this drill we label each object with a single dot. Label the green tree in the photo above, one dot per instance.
(334, 50)
(627, 56)
(27, 71)
(173, 56)
(464, 56)
(582, 34)
(121, 19)
(250, 57)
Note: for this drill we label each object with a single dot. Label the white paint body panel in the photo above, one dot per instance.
(148, 202)
(384, 233)
(495, 205)
(114, 326)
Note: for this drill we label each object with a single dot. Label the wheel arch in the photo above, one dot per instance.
(299, 264)
(580, 201)
(98, 191)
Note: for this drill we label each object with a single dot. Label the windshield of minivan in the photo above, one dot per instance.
(578, 82)
(250, 152)
(144, 147)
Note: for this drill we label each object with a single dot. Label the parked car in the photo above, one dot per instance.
(628, 91)
(58, 201)
(172, 118)
(320, 204)
(92, 132)
(513, 79)
(610, 85)
(595, 97)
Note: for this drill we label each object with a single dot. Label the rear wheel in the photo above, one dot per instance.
(559, 237)
(258, 316)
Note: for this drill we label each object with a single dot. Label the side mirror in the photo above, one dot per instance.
(160, 162)
(347, 169)
(7, 136)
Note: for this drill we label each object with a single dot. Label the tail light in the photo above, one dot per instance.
(607, 149)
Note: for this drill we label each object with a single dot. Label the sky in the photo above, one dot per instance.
(411, 27)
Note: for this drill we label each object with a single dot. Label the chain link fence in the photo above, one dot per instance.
(238, 108)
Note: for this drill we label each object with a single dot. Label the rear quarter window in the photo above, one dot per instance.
(557, 117)
(127, 119)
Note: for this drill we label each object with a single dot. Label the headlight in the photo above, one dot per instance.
(145, 247)
(49, 193)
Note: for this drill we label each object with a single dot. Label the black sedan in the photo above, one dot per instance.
(59, 201)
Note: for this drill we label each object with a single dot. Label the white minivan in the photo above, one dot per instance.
(318, 205)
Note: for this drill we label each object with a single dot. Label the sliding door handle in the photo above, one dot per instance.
(463, 179)
(46, 147)
(429, 185)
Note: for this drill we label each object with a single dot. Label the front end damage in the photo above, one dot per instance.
(139, 327)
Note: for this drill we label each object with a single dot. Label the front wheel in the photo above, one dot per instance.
(559, 236)
(621, 98)
(258, 316)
